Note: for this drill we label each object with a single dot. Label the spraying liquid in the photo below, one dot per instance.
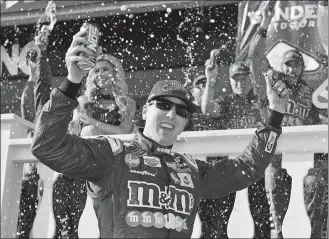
(188, 32)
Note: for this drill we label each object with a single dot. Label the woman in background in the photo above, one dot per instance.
(105, 107)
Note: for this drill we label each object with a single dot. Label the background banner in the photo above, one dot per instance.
(295, 25)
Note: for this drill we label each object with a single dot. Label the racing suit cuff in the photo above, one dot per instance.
(275, 119)
(262, 32)
(70, 89)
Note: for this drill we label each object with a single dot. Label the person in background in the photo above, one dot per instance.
(300, 111)
(35, 94)
(316, 196)
(316, 182)
(214, 213)
(238, 110)
(105, 108)
(198, 121)
(65, 192)
(277, 180)
(32, 185)
(69, 200)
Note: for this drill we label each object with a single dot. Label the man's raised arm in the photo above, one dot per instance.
(257, 48)
(208, 105)
(89, 159)
(229, 175)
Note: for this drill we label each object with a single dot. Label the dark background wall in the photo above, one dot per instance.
(146, 43)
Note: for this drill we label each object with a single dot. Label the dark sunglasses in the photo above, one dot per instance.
(167, 105)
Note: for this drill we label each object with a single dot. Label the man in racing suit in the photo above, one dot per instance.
(142, 189)
(300, 111)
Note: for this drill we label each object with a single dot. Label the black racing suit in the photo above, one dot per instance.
(141, 189)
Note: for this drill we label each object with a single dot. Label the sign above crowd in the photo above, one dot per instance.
(295, 25)
(142, 41)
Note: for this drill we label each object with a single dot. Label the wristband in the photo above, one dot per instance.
(70, 89)
(275, 119)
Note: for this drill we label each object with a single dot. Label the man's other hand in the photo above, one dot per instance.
(277, 95)
(78, 45)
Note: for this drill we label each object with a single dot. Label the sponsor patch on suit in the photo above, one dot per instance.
(132, 161)
(178, 167)
(152, 161)
(185, 180)
(116, 145)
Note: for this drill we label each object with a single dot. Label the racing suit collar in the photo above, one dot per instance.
(150, 145)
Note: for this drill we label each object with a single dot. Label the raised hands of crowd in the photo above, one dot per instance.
(41, 38)
(51, 14)
(267, 13)
(208, 105)
(211, 67)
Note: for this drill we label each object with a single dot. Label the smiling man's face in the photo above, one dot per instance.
(163, 126)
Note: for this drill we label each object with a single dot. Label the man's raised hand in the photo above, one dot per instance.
(277, 95)
(79, 43)
(211, 65)
(267, 13)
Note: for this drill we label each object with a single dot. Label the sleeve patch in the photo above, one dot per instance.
(116, 145)
(270, 142)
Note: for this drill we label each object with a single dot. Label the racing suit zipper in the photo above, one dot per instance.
(170, 180)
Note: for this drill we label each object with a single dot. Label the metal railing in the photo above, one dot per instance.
(296, 144)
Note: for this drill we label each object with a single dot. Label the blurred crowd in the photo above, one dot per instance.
(106, 108)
